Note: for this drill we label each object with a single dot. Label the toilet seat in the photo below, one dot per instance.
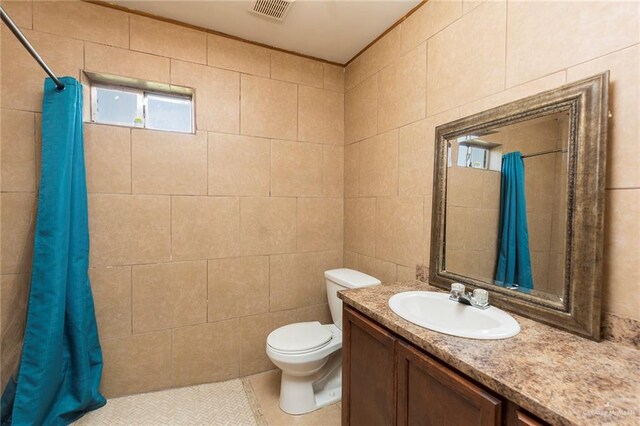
(299, 338)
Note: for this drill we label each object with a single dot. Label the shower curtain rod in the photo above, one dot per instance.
(16, 31)
(544, 152)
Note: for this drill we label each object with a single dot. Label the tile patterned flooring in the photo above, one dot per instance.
(252, 400)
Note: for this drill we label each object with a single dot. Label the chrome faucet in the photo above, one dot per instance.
(478, 299)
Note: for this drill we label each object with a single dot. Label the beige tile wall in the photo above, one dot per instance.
(244, 225)
(200, 244)
(479, 55)
(472, 220)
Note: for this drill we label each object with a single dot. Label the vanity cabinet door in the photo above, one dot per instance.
(368, 375)
(431, 394)
(523, 419)
(516, 416)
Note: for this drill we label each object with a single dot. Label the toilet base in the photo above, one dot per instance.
(300, 395)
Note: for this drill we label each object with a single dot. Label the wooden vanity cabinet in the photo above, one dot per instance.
(386, 381)
(431, 394)
(371, 353)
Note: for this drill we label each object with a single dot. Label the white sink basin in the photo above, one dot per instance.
(436, 312)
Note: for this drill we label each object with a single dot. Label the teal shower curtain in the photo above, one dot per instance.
(61, 362)
(514, 260)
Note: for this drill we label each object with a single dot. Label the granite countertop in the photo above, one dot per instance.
(561, 378)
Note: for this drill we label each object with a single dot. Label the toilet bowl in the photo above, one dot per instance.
(309, 353)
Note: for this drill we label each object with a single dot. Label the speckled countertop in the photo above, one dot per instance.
(561, 378)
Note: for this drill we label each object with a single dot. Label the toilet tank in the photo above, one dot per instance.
(342, 279)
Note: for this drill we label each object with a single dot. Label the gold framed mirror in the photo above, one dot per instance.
(518, 204)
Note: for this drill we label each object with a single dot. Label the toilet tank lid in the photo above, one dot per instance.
(350, 278)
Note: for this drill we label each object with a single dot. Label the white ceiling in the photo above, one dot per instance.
(334, 30)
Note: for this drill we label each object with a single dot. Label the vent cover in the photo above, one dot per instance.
(273, 9)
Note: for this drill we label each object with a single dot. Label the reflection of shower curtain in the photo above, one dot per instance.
(514, 259)
(61, 363)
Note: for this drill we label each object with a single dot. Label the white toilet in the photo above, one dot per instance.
(308, 353)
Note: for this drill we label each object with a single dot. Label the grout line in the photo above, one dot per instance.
(322, 194)
(375, 238)
(131, 295)
(239, 226)
(171, 363)
(377, 106)
(269, 268)
(192, 260)
(240, 103)
(631, 188)
(506, 42)
(426, 79)
(206, 47)
(358, 165)
(35, 153)
(207, 290)
(297, 112)
(84, 62)
(598, 57)
(270, 167)
(397, 162)
(130, 161)
(295, 223)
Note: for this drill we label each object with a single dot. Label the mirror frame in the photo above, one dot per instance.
(580, 309)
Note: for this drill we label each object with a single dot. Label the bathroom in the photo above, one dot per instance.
(311, 143)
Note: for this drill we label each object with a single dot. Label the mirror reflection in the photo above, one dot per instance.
(506, 205)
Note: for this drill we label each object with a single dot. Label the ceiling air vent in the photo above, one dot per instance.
(274, 9)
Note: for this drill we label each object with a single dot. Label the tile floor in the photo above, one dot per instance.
(252, 400)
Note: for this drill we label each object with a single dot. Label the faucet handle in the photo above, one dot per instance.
(481, 296)
(457, 290)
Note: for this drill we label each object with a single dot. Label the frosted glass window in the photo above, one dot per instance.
(117, 106)
(462, 155)
(170, 113)
(473, 156)
(477, 157)
(130, 107)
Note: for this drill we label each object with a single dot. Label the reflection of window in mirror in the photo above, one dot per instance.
(449, 154)
(477, 153)
(477, 157)
(473, 156)
(495, 158)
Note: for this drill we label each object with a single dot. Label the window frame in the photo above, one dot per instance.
(94, 103)
(190, 98)
(141, 107)
(467, 160)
